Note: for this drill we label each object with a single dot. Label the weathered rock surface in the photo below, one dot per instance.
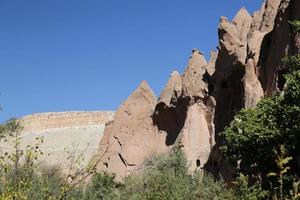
(242, 84)
(192, 79)
(197, 138)
(143, 126)
(131, 137)
(76, 131)
(43, 121)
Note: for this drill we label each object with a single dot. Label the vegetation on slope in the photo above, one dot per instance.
(264, 142)
(164, 177)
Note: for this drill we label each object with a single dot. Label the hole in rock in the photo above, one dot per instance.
(198, 163)
(106, 164)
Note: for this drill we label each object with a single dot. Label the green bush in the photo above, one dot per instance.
(164, 177)
(103, 186)
(255, 134)
(21, 178)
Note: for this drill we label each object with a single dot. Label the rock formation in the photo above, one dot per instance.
(143, 126)
(194, 108)
(131, 137)
(43, 121)
(75, 131)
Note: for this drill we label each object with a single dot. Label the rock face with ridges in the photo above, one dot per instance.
(192, 79)
(277, 43)
(242, 84)
(43, 121)
(78, 132)
(131, 137)
(172, 90)
(194, 107)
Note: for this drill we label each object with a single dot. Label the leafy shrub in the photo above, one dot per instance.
(164, 177)
(255, 134)
(103, 186)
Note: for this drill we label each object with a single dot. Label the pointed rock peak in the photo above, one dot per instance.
(143, 92)
(226, 26)
(172, 90)
(223, 19)
(212, 62)
(174, 73)
(241, 14)
(242, 22)
(192, 79)
(144, 84)
(196, 51)
(141, 101)
(197, 59)
(145, 88)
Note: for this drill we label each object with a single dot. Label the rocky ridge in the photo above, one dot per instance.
(195, 106)
(76, 132)
(43, 121)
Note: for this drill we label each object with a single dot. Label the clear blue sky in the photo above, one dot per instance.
(58, 55)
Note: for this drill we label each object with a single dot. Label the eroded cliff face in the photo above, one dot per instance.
(194, 107)
(77, 132)
(249, 64)
(143, 126)
(43, 121)
(131, 137)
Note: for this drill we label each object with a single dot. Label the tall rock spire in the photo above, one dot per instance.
(192, 79)
(131, 137)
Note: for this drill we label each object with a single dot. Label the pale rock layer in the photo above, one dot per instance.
(63, 133)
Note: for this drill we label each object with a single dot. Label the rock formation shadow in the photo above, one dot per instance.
(170, 119)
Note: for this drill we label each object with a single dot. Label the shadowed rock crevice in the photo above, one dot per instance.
(229, 98)
(277, 44)
(170, 119)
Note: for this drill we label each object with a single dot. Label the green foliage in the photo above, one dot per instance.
(103, 186)
(251, 138)
(255, 134)
(21, 178)
(296, 26)
(242, 190)
(282, 162)
(9, 128)
(166, 177)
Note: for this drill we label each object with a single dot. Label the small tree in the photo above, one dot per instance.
(254, 134)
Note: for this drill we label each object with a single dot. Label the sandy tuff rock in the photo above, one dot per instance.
(170, 111)
(131, 137)
(43, 121)
(172, 90)
(192, 79)
(210, 67)
(240, 84)
(252, 88)
(188, 122)
(76, 131)
(196, 137)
